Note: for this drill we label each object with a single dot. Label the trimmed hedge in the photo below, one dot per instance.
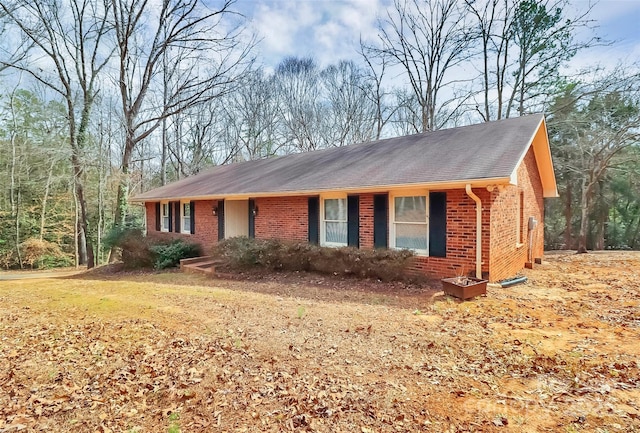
(274, 254)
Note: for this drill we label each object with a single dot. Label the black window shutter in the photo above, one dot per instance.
(438, 224)
(192, 211)
(177, 215)
(380, 216)
(220, 220)
(353, 221)
(158, 227)
(170, 206)
(314, 220)
(252, 218)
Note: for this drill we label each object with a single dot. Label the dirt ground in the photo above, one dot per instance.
(169, 352)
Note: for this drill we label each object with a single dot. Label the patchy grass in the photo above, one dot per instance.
(173, 352)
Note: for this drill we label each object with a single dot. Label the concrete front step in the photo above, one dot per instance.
(202, 265)
(194, 260)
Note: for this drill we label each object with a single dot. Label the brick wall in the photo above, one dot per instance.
(206, 233)
(287, 218)
(150, 214)
(507, 257)
(366, 221)
(461, 238)
(282, 218)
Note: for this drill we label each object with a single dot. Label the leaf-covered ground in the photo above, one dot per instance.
(181, 353)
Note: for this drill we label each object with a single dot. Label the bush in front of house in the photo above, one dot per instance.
(274, 254)
(139, 251)
(169, 255)
(135, 248)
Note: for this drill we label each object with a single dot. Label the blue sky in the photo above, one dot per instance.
(328, 30)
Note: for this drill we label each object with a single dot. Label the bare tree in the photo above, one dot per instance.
(71, 36)
(376, 68)
(523, 44)
(16, 51)
(14, 191)
(351, 114)
(252, 116)
(427, 40)
(299, 103)
(407, 116)
(200, 44)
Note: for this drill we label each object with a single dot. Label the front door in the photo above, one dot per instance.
(236, 218)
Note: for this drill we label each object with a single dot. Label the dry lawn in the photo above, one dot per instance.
(180, 353)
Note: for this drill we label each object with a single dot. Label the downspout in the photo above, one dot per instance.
(478, 229)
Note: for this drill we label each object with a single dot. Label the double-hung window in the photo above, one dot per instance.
(185, 217)
(334, 222)
(410, 224)
(164, 216)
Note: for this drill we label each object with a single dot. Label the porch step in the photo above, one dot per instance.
(201, 265)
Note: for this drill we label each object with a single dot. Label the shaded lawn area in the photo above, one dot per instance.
(174, 352)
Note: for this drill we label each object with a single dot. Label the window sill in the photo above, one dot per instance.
(519, 245)
(333, 245)
(418, 253)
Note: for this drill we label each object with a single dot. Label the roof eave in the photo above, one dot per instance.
(542, 151)
(457, 184)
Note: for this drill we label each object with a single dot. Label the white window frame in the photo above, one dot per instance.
(392, 218)
(184, 218)
(323, 221)
(163, 227)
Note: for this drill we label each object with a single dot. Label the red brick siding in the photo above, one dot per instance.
(150, 213)
(206, 230)
(461, 238)
(366, 221)
(287, 218)
(282, 218)
(506, 258)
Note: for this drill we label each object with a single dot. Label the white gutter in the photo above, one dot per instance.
(478, 229)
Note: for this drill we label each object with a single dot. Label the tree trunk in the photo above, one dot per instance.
(585, 208)
(86, 248)
(18, 230)
(14, 193)
(602, 217)
(568, 217)
(163, 158)
(599, 242)
(76, 209)
(45, 198)
(122, 198)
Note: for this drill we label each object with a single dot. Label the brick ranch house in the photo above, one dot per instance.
(461, 198)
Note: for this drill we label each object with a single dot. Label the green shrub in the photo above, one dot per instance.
(274, 254)
(169, 255)
(140, 251)
(55, 261)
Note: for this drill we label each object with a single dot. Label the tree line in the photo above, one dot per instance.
(102, 99)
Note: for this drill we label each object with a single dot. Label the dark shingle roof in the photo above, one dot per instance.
(483, 151)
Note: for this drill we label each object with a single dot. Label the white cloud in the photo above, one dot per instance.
(325, 30)
(329, 30)
(617, 23)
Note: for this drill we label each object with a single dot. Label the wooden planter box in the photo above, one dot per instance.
(464, 287)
